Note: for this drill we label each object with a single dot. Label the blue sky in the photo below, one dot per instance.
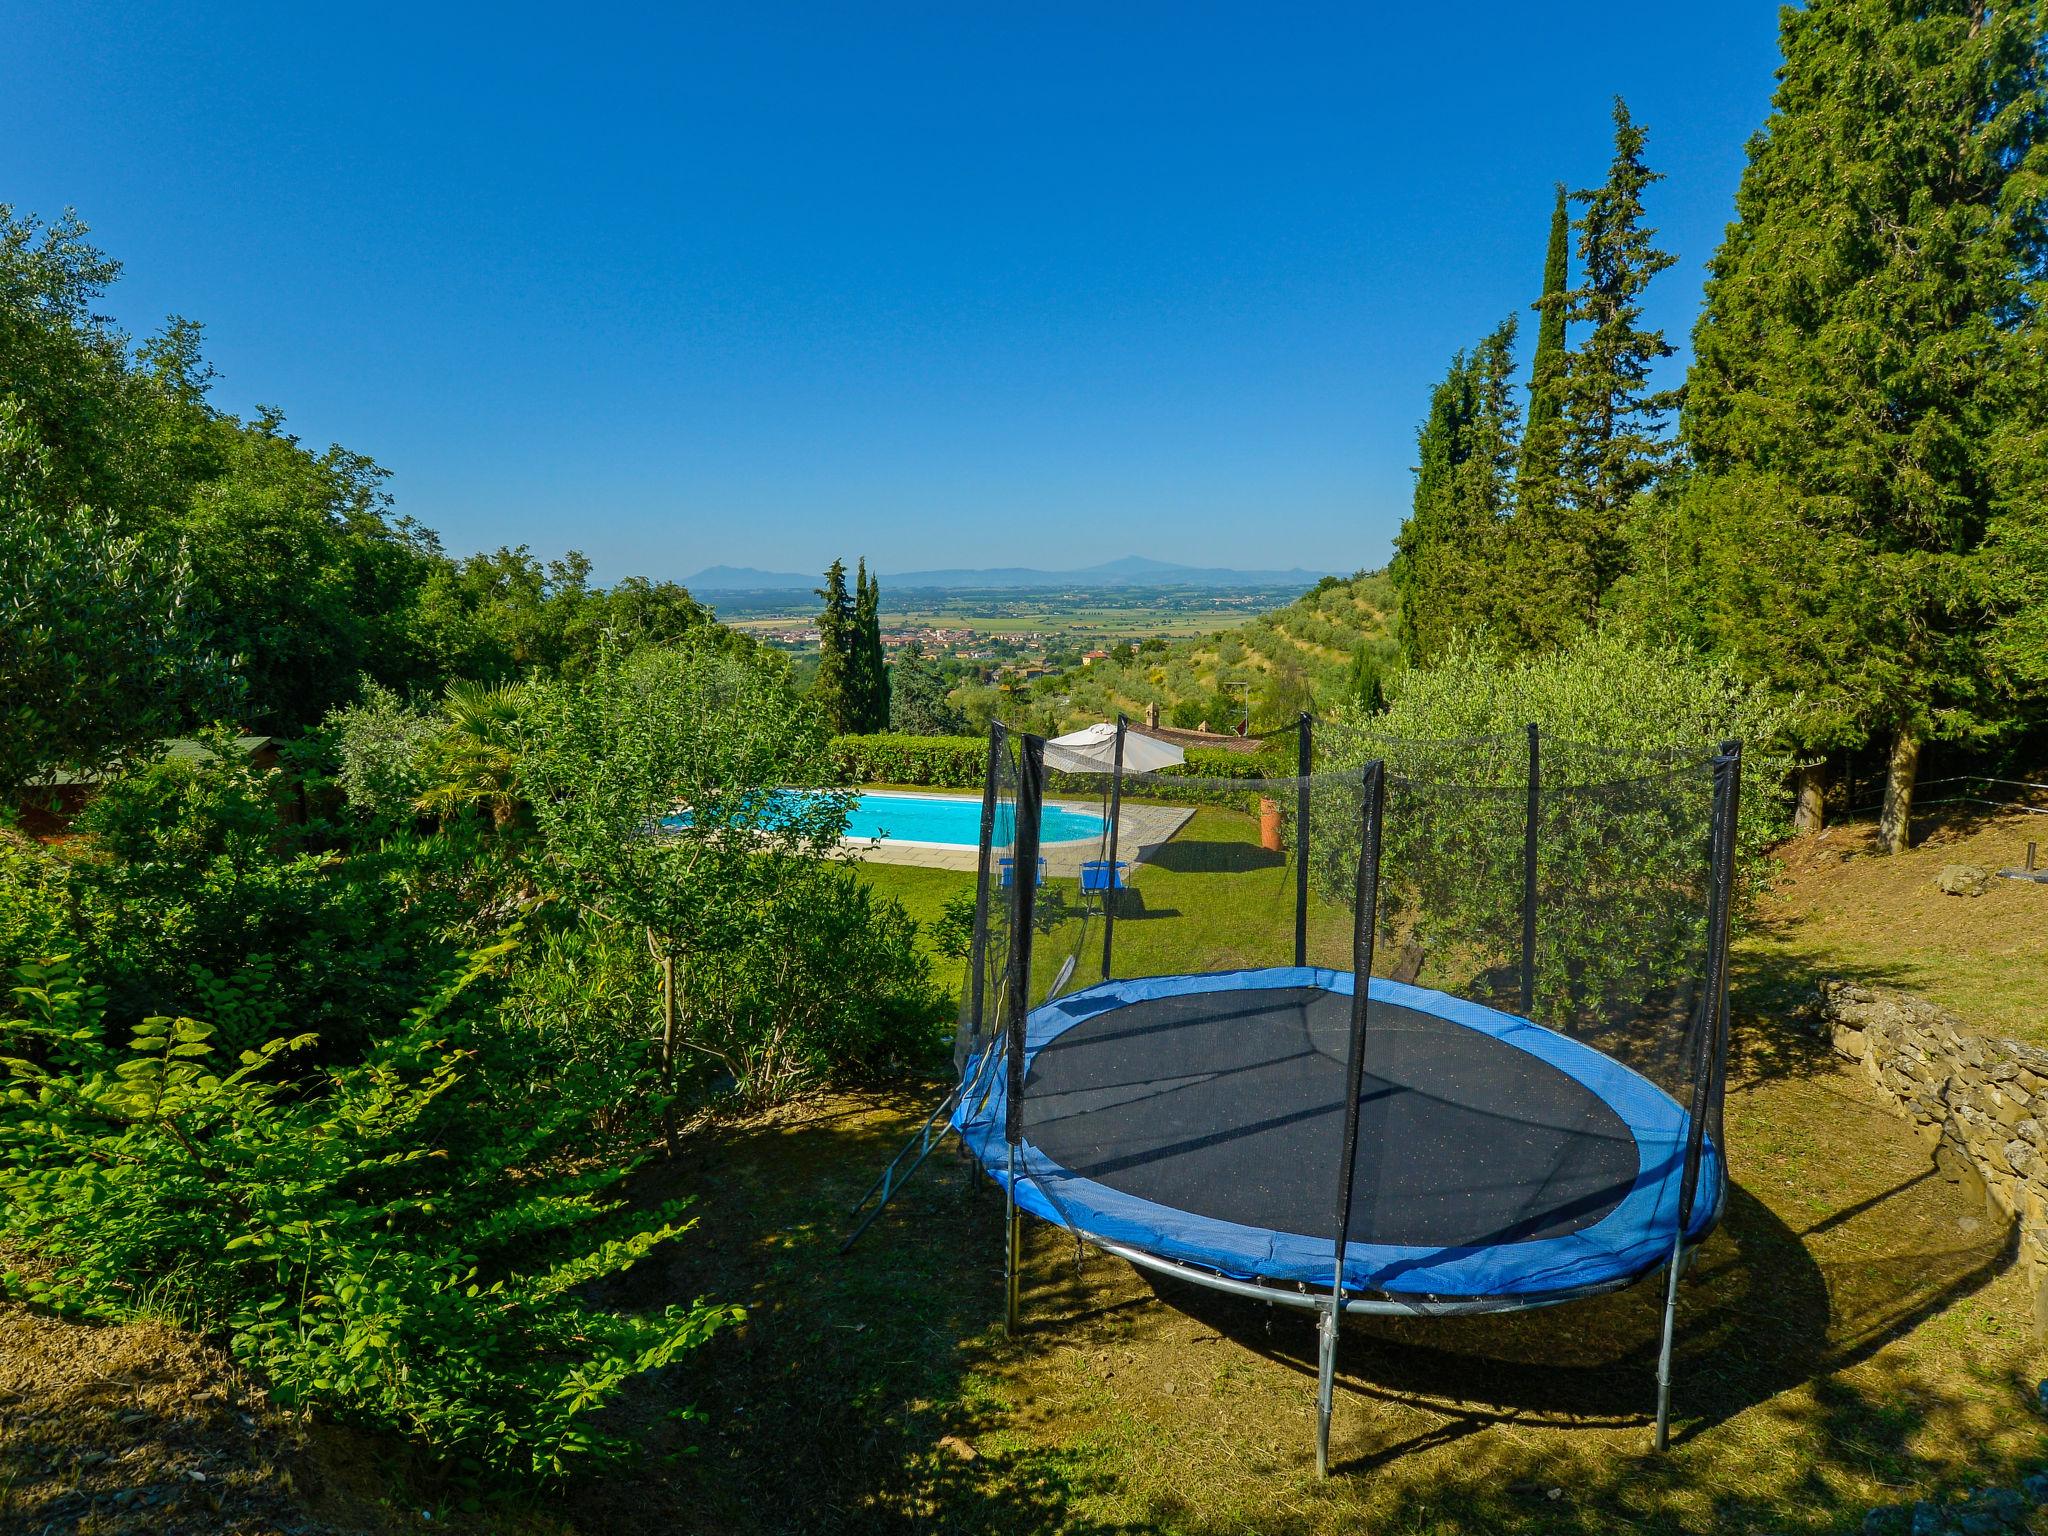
(944, 284)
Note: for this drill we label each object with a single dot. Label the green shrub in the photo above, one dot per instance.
(185, 872)
(1277, 759)
(35, 902)
(942, 762)
(358, 1242)
(1627, 728)
(381, 743)
(826, 985)
(581, 1012)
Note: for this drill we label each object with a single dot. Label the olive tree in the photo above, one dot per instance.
(660, 787)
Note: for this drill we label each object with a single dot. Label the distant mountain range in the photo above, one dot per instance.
(1130, 571)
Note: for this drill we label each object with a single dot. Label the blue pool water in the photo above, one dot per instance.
(954, 820)
(951, 820)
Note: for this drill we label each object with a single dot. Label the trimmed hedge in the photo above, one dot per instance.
(1273, 761)
(957, 762)
(942, 762)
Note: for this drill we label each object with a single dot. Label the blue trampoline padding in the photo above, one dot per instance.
(1631, 1239)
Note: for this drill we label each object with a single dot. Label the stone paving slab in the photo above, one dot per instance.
(1142, 831)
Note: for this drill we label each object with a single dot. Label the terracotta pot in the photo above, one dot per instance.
(1269, 825)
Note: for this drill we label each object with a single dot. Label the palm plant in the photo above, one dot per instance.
(473, 763)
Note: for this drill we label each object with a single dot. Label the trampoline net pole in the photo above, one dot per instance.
(977, 977)
(1710, 1045)
(1374, 798)
(1305, 763)
(1024, 896)
(1012, 1223)
(1365, 923)
(1529, 834)
(1116, 805)
(1030, 803)
(1326, 1384)
(1663, 1435)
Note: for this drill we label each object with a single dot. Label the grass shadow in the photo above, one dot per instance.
(1200, 856)
(846, 1400)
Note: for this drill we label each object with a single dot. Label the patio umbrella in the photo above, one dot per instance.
(1092, 749)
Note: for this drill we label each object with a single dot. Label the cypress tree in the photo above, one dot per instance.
(869, 669)
(834, 689)
(1866, 404)
(881, 716)
(1542, 462)
(1365, 685)
(1610, 436)
(1417, 569)
(1448, 554)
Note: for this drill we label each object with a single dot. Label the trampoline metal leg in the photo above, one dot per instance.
(1664, 1353)
(1015, 1223)
(1326, 1384)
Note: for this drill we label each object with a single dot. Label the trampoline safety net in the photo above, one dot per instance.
(1434, 1022)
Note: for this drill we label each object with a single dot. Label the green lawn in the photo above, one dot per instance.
(1210, 900)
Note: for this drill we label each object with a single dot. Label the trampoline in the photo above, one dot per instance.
(1185, 1122)
(1539, 1123)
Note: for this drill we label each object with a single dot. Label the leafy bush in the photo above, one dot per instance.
(1627, 727)
(582, 1013)
(826, 984)
(361, 1245)
(654, 788)
(185, 873)
(35, 902)
(100, 655)
(381, 743)
(399, 763)
(941, 762)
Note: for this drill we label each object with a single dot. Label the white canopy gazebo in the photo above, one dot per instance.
(1092, 749)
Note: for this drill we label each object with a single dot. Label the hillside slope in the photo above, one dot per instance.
(1843, 908)
(1285, 661)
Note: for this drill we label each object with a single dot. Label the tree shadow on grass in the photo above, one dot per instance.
(845, 1401)
(1757, 1315)
(1542, 1420)
(1774, 998)
(1198, 856)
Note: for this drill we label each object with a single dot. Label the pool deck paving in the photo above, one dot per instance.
(1141, 831)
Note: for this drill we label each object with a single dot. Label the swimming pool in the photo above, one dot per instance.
(941, 821)
(952, 821)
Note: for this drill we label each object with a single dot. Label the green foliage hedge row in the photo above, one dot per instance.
(942, 762)
(959, 762)
(1628, 728)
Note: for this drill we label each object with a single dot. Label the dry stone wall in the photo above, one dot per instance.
(1980, 1103)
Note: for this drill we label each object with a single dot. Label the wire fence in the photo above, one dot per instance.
(1920, 802)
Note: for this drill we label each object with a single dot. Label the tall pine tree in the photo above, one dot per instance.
(1541, 470)
(1610, 444)
(1866, 408)
(1448, 554)
(836, 687)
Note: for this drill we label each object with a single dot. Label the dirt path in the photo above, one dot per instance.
(140, 1429)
